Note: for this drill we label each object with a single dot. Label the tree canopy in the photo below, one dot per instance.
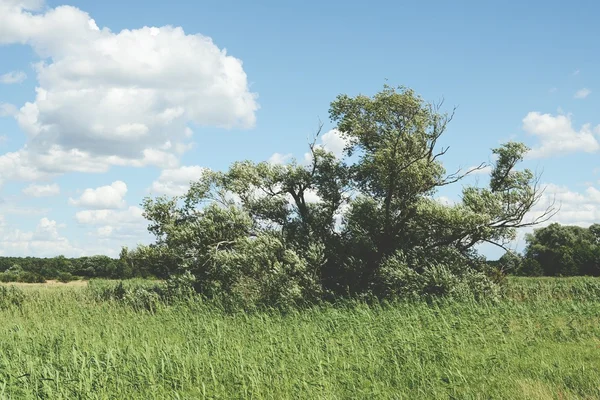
(561, 250)
(363, 224)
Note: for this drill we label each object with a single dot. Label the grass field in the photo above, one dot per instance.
(541, 342)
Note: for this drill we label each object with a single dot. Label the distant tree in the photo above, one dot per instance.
(510, 262)
(557, 250)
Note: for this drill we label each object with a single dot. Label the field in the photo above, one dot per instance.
(541, 342)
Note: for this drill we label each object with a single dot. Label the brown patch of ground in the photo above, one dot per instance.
(49, 283)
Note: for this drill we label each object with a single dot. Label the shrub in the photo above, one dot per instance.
(21, 276)
(65, 277)
(11, 296)
(30, 277)
(398, 279)
(263, 272)
(144, 295)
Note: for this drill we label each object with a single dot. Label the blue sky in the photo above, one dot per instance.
(136, 97)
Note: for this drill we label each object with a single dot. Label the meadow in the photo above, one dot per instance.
(541, 341)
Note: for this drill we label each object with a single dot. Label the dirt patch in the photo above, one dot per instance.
(49, 283)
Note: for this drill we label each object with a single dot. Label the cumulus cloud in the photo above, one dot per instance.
(557, 135)
(132, 215)
(176, 181)
(42, 190)
(15, 166)
(116, 224)
(278, 158)
(119, 98)
(102, 198)
(7, 110)
(44, 241)
(582, 93)
(105, 231)
(13, 77)
(334, 141)
(576, 208)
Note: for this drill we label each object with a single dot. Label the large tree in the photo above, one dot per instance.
(337, 224)
(395, 136)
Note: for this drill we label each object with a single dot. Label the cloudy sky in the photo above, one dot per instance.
(103, 103)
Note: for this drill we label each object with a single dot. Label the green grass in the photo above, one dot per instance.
(543, 342)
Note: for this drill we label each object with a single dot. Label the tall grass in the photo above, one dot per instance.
(541, 342)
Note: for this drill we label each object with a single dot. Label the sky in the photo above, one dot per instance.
(104, 103)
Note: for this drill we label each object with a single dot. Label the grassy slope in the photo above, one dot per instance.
(543, 344)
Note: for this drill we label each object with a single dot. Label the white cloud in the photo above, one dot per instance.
(13, 77)
(44, 241)
(576, 208)
(117, 225)
(132, 215)
(278, 158)
(42, 190)
(15, 166)
(7, 110)
(311, 196)
(103, 198)
(176, 181)
(335, 142)
(557, 135)
(13, 205)
(115, 98)
(105, 231)
(582, 93)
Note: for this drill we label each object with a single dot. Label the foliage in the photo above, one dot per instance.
(143, 294)
(10, 296)
(562, 250)
(60, 343)
(282, 235)
(397, 280)
(16, 274)
(38, 270)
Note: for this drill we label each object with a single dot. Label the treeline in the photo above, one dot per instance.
(557, 250)
(38, 270)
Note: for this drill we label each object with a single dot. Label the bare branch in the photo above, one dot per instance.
(497, 244)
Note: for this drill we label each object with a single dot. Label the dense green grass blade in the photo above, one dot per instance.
(542, 342)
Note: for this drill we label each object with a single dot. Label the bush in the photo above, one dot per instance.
(397, 279)
(65, 277)
(262, 272)
(22, 276)
(144, 295)
(10, 296)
